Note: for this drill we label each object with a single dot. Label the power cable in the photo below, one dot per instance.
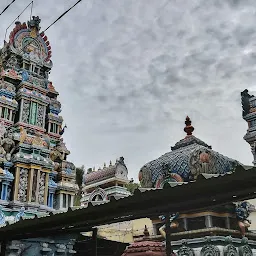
(31, 3)
(7, 7)
(63, 14)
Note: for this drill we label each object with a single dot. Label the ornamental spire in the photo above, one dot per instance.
(189, 128)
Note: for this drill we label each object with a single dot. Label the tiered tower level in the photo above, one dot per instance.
(35, 174)
(249, 115)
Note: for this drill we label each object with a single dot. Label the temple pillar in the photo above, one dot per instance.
(46, 188)
(10, 116)
(208, 221)
(44, 117)
(16, 185)
(227, 222)
(185, 222)
(38, 177)
(30, 183)
(60, 200)
(4, 190)
(50, 200)
(49, 127)
(72, 201)
(21, 110)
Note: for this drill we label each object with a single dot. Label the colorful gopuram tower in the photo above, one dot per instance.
(35, 175)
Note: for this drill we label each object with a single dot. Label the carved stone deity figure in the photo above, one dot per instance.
(37, 140)
(145, 177)
(57, 152)
(2, 151)
(202, 161)
(2, 132)
(173, 223)
(8, 145)
(243, 211)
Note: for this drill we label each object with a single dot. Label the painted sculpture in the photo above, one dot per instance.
(173, 223)
(243, 211)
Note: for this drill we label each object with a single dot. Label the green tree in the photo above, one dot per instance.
(131, 187)
(79, 181)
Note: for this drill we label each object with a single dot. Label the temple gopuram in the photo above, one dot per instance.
(35, 175)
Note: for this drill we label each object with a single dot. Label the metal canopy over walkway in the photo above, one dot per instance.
(206, 191)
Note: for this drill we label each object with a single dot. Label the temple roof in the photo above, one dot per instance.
(28, 38)
(118, 170)
(188, 158)
(201, 194)
(145, 248)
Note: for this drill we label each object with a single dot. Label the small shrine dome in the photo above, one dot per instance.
(189, 158)
(145, 247)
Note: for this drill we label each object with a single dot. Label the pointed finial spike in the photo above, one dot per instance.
(146, 232)
(189, 128)
(110, 163)
(93, 169)
(104, 164)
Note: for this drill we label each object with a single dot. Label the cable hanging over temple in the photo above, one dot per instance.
(7, 7)
(31, 10)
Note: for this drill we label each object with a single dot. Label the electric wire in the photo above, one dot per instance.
(7, 7)
(63, 14)
(31, 3)
(31, 10)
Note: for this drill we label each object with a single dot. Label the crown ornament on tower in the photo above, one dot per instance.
(34, 23)
(188, 128)
(34, 26)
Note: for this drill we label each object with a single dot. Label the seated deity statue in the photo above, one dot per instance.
(8, 145)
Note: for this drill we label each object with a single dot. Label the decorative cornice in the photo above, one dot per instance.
(28, 94)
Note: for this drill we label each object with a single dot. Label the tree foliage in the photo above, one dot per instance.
(131, 187)
(79, 181)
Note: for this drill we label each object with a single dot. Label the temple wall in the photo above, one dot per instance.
(58, 245)
(215, 245)
(124, 232)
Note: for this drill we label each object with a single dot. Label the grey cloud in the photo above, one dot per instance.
(128, 73)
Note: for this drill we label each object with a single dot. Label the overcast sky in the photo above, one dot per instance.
(129, 71)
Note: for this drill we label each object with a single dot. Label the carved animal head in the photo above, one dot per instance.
(145, 177)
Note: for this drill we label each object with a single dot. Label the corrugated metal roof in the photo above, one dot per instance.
(206, 191)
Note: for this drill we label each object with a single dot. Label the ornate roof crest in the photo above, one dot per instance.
(34, 23)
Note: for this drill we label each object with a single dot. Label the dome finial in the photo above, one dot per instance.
(146, 233)
(189, 128)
